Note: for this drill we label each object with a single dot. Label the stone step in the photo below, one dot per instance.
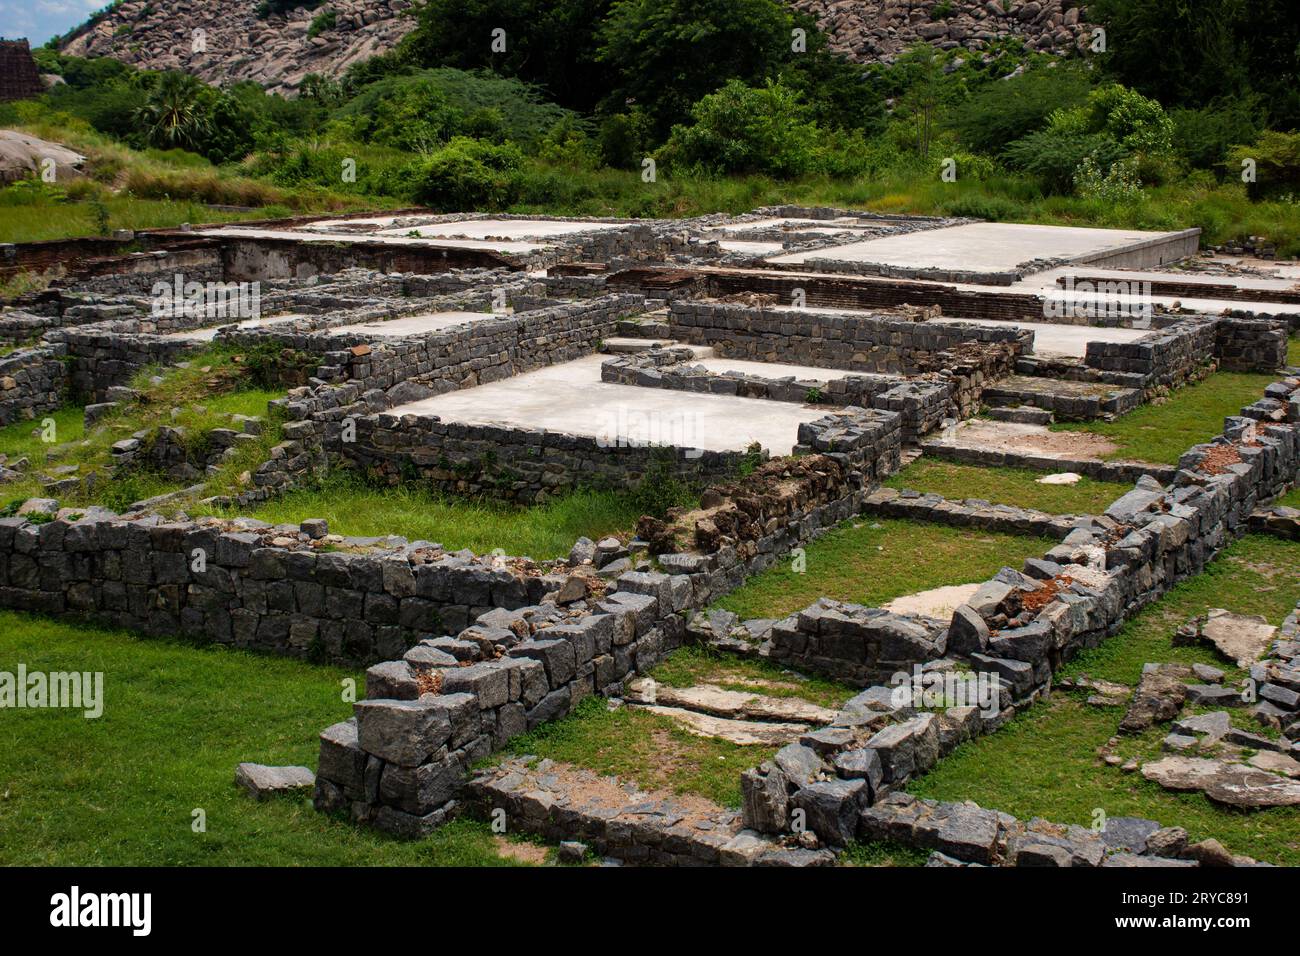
(1022, 414)
(743, 733)
(1071, 401)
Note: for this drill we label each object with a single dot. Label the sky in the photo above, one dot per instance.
(39, 20)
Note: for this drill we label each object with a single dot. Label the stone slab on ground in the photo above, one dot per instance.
(262, 781)
(744, 733)
(617, 818)
(720, 702)
(1241, 638)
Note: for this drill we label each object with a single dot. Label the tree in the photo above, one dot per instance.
(549, 43)
(667, 54)
(174, 115)
(1190, 53)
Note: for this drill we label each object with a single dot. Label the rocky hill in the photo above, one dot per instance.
(276, 51)
(867, 30)
(280, 49)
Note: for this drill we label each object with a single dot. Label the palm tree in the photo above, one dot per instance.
(174, 116)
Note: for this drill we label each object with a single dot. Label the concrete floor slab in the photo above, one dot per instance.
(772, 369)
(1062, 340)
(979, 247)
(416, 324)
(571, 398)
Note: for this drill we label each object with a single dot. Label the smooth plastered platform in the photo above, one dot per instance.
(571, 398)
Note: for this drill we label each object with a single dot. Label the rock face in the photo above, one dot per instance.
(22, 156)
(278, 52)
(881, 29)
(235, 44)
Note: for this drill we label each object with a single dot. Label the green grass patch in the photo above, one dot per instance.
(1007, 486)
(354, 507)
(1256, 575)
(1293, 350)
(1044, 763)
(121, 790)
(1161, 433)
(883, 853)
(872, 562)
(647, 749)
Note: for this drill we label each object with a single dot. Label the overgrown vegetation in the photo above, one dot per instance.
(732, 112)
(166, 398)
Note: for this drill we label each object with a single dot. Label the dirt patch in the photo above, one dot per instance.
(1045, 595)
(1029, 440)
(937, 602)
(529, 853)
(1218, 458)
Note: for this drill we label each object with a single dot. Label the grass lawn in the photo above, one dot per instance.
(64, 220)
(1193, 414)
(1006, 486)
(1044, 762)
(1293, 351)
(120, 790)
(353, 507)
(872, 562)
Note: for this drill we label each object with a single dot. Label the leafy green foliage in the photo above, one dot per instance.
(467, 174)
(550, 44)
(1277, 165)
(1004, 111)
(665, 55)
(743, 129)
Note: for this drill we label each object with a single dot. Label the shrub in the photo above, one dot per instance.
(1119, 184)
(742, 129)
(467, 174)
(1002, 111)
(1277, 165)
(1204, 137)
(1053, 156)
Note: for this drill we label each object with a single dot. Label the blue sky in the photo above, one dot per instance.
(38, 20)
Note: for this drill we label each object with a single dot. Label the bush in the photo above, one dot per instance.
(467, 174)
(743, 129)
(1204, 137)
(1003, 111)
(1277, 165)
(624, 139)
(1053, 156)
